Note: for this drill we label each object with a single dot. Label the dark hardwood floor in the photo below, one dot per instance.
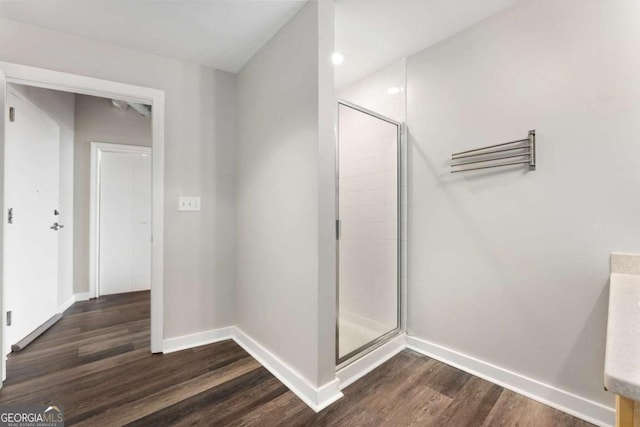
(96, 363)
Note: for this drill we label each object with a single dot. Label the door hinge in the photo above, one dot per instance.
(10, 216)
(9, 318)
(12, 114)
(338, 230)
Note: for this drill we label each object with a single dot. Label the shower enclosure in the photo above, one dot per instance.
(368, 231)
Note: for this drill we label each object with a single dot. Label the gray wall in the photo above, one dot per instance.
(199, 160)
(96, 120)
(510, 266)
(278, 231)
(60, 107)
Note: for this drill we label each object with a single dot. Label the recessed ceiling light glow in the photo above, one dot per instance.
(394, 90)
(337, 58)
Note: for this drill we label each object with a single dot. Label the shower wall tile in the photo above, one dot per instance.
(371, 281)
(368, 210)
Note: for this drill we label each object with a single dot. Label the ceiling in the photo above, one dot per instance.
(375, 33)
(222, 34)
(225, 34)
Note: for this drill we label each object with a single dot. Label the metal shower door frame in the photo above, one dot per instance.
(371, 345)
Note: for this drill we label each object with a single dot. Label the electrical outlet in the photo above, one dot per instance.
(191, 204)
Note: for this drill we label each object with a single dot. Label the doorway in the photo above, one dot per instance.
(42, 78)
(368, 231)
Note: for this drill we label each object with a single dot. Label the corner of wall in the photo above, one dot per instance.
(284, 131)
(327, 286)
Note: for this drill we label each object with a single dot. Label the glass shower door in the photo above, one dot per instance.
(368, 212)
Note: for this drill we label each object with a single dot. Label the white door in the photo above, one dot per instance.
(124, 221)
(31, 201)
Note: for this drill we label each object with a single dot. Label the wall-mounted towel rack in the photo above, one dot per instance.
(524, 150)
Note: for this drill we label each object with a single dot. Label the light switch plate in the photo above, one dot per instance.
(191, 204)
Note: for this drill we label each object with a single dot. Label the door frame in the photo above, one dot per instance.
(98, 148)
(66, 82)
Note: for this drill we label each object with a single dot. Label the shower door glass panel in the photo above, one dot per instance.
(368, 285)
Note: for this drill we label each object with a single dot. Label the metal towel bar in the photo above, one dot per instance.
(487, 154)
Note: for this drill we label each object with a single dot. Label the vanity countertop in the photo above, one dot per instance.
(622, 357)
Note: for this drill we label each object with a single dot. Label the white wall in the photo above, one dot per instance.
(60, 107)
(279, 160)
(96, 120)
(371, 92)
(511, 266)
(199, 150)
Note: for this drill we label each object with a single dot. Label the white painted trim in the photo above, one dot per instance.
(157, 225)
(327, 395)
(562, 400)
(40, 77)
(367, 363)
(3, 117)
(74, 83)
(194, 340)
(316, 398)
(97, 148)
(94, 209)
(66, 304)
(82, 296)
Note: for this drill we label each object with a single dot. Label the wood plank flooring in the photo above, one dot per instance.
(96, 363)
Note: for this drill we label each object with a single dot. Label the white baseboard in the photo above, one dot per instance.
(564, 401)
(367, 363)
(316, 398)
(66, 303)
(80, 296)
(194, 340)
(83, 296)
